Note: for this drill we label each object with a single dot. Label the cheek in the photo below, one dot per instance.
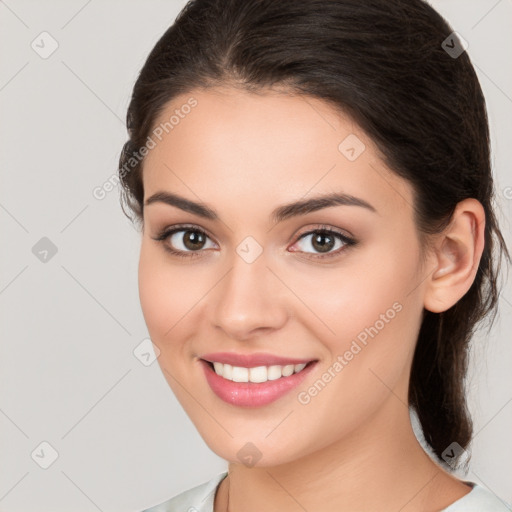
(365, 291)
(153, 298)
(371, 315)
(163, 296)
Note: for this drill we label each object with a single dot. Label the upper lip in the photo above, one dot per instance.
(252, 360)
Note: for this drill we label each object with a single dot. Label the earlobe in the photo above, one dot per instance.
(456, 257)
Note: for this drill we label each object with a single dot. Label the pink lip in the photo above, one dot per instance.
(251, 360)
(252, 394)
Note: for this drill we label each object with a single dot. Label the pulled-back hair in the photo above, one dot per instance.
(387, 64)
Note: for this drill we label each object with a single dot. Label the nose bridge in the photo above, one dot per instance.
(248, 297)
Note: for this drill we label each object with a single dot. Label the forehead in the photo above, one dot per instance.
(223, 145)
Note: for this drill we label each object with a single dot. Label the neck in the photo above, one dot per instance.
(381, 466)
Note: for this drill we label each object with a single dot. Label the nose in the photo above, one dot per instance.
(249, 300)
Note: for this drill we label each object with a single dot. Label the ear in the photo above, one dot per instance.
(456, 256)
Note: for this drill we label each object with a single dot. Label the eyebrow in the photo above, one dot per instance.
(279, 214)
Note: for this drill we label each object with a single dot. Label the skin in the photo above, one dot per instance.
(352, 446)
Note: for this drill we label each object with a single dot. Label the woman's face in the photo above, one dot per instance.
(260, 284)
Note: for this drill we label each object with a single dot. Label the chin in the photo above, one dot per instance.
(253, 451)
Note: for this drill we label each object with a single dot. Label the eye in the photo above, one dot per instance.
(189, 240)
(324, 241)
(183, 240)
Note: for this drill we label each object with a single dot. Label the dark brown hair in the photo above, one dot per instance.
(385, 63)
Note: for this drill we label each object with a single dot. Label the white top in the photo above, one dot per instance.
(201, 498)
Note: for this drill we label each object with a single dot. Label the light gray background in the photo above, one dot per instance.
(69, 326)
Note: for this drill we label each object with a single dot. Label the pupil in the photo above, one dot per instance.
(323, 247)
(193, 240)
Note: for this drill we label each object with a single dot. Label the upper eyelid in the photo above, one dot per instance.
(194, 227)
(176, 228)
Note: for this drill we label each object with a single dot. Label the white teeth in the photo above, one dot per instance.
(257, 373)
(274, 372)
(226, 371)
(240, 374)
(288, 370)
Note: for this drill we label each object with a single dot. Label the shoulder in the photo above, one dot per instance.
(197, 499)
(479, 499)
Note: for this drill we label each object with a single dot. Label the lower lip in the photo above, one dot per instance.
(253, 394)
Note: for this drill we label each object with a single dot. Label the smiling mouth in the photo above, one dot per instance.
(254, 386)
(256, 374)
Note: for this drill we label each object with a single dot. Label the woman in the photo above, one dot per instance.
(313, 183)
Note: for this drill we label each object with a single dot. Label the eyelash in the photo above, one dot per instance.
(166, 233)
